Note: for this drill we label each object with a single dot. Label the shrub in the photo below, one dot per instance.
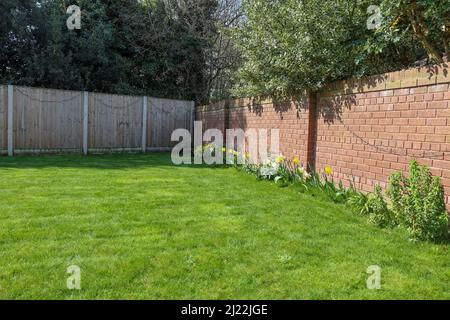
(418, 203)
(379, 213)
(359, 203)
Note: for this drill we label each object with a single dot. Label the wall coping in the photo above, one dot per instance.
(408, 78)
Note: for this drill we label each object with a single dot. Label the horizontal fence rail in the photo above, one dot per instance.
(39, 120)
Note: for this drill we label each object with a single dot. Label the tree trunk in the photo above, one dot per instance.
(420, 32)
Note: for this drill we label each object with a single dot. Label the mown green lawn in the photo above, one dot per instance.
(140, 228)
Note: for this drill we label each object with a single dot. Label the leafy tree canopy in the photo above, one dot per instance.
(154, 47)
(290, 46)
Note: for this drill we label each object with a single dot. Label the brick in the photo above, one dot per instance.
(417, 137)
(408, 129)
(400, 121)
(436, 122)
(417, 105)
(390, 157)
(441, 164)
(425, 129)
(437, 104)
(409, 114)
(417, 122)
(442, 130)
(438, 88)
(443, 113)
(435, 138)
(418, 90)
(426, 113)
(401, 92)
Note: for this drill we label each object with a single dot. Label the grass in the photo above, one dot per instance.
(140, 228)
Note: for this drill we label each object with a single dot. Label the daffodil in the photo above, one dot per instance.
(279, 159)
(247, 155)
(307, 175)
(328, 170)
(301, 171)
(231, 151)
(224, 149)
(296, 160)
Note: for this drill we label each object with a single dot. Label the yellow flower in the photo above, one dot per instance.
(231, 151)
(224, 149)
(279, 159)
(296, 160)
(247, 155)
(236, 153)
(328, 170)
(300, 171)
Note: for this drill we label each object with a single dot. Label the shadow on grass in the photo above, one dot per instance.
(106, 161)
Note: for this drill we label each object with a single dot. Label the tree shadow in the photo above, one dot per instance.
(332, 105)
(119, 161)
(335, 98)
(281, 106)
(437, 70)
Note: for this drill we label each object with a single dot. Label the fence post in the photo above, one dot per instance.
(144, 123)
(226, 120)
(85, 122)
(10, 120)
(193, 117)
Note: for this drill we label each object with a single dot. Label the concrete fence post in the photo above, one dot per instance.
(226, 118)
(10, 120)
(85, 122)
(144, 123)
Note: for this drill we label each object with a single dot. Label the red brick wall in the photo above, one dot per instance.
(291, 119)
(384, 131)
(364, 129)
(212, 116)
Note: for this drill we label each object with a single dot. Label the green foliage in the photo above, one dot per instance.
(424, 23)
(159, 48)
(418, 203)
(293, 45)
(373, 206)
(379, 214)
(359, 203)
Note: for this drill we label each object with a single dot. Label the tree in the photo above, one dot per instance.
(168, 48)
(424, 21)
(223, 58)
(290, 46)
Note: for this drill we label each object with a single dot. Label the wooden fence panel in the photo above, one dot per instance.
(115, 122)
(50, 120)
(47, 120)
(165, 116)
